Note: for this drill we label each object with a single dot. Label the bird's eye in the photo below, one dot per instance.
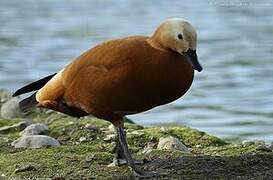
(180, 36)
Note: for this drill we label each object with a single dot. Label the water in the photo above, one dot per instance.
(233, 96)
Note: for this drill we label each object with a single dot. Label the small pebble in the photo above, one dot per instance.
(171, 143)
(4, 96)
(247, 143)
(35, 141)
(198, 146)
(264, 148)
(256, 142)
(110, 137)
(85, 165)
(271, 146)
(70, 123)
(91, 127)
(11, 109)
(148, 148)
(110, 130)
(83, 139)
(259, 142)
(34, 129)
(135, 133)
(23, 168)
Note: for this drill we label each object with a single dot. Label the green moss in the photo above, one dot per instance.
(72, 129)
(230, 150)
(8, 136)
(89, 159)
(62, 161)
(8, 122)
(162, 154)
(190, 137)
(131, 127)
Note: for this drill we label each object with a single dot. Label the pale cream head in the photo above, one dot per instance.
(176, 34)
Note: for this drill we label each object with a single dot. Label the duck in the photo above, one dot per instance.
(121, 77)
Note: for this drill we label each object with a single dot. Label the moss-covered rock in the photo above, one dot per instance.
(210, 158)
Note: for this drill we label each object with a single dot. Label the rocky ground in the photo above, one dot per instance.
(45, 144)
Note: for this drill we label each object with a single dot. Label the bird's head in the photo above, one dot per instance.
(178, 35)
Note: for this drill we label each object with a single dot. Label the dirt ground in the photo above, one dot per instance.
(214, 167)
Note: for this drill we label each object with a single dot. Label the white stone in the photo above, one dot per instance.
(111, 129)
(110, 137)
(171, 143)
(259, 142)
(256, 142)
(35, 141)
(4, 96)
(70, 123)
(34, 129)
(136, 132)
(83, 139)
(11, 109)
(148, 149)
(248, 142)
(270, 145)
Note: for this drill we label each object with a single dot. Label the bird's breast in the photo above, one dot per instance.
(165, 81)
(152, 81)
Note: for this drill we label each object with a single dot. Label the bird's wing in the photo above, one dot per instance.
(98, 59)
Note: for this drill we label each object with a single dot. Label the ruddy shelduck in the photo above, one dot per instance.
(121, 77)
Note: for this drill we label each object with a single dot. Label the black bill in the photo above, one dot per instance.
(192, 57)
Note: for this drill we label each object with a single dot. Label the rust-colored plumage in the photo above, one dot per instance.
(120, 77)
(125, 76)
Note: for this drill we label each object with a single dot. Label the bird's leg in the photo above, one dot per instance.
(123, 150)
(119, 158)
(124, 146)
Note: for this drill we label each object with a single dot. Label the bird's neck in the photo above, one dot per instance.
(152, 42)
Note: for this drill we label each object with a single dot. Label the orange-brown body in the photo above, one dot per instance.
(119, 77)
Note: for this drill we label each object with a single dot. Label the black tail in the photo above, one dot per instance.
(28, 103)
(33, 86)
